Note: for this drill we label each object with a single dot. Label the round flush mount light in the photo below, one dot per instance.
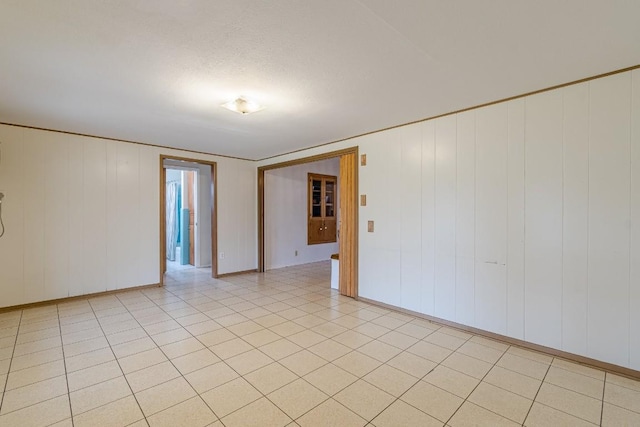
(243, 106)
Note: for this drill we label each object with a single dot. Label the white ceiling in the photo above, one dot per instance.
(156, 71)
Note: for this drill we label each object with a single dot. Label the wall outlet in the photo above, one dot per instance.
(221, 255)
(296, 253)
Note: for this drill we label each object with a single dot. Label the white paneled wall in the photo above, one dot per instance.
(465, 218)
(634, 258)
(524, 215)
(543, 218)
(81, 214)
(609, 220)
(515, 218)
(285, 204)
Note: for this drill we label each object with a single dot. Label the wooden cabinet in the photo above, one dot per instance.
(322, 196)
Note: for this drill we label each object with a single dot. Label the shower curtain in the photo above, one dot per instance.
(172, 219)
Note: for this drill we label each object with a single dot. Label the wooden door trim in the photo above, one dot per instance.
(310, 159)
(191, 195)
(163, 213)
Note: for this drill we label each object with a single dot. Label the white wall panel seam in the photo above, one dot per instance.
(562, 183)
(475, 208)
(629, 299)
(421, 212)
(435, 211)
(138, 242)
(588, 209)
(455, 230)
(506, 224)
(82, 201)
(106, 216)
(524, 223)
(475, 214)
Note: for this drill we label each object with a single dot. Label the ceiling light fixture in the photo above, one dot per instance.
(243, 106)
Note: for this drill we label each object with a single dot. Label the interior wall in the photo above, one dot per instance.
(81, 214)
(520, 218)
(286, 213)
(203, 219)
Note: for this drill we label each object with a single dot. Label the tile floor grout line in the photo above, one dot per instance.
(433, 369)
(119, 366)
(299, 377)
(476, 386)
(538, 391)
(64, 363)
(604, 388)
(564, 388)
(4, 390)
(301, 293)
(182, 376)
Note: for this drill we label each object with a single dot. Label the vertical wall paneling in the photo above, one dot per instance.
(75, 219)
(555, 216)
(387, 236)
(543, 219)
(236, 205)
(371, 251)
(128, 185)
(34, 226)
(112, 214)
(12, 163)
(148, 218)
(491, 217)
(81, 214)
(411, 212)
(515, 219)
(609, 203)
(465, 217)
(575, 217)
(445, 209)
(56, 210)
(634, 280)
(428, 217)
(94, 214)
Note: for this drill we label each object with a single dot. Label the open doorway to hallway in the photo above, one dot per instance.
(286, 217)
(188, 215)
(180, 218)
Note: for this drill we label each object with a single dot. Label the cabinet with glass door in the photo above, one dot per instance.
(322, 209)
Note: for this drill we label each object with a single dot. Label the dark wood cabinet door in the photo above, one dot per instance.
(322, 197)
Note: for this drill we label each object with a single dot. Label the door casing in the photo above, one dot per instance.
(348, 217)
(214, 211)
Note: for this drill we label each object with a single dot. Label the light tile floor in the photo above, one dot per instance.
(280, 349)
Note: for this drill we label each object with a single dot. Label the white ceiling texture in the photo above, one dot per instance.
(156, 71)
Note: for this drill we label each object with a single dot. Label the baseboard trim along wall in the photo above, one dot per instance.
(608, 367)
(75, 298)
(236, 273)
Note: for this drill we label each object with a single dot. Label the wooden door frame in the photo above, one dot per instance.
(163, 213)
(354, 219)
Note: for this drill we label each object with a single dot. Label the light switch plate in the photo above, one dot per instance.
(363, 160)
(370, 226)
(363, 200)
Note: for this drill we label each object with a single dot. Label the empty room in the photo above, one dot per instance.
(339, 213)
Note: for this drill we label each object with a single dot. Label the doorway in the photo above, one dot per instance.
(183, 241)
(188, 206)
(347, 220)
